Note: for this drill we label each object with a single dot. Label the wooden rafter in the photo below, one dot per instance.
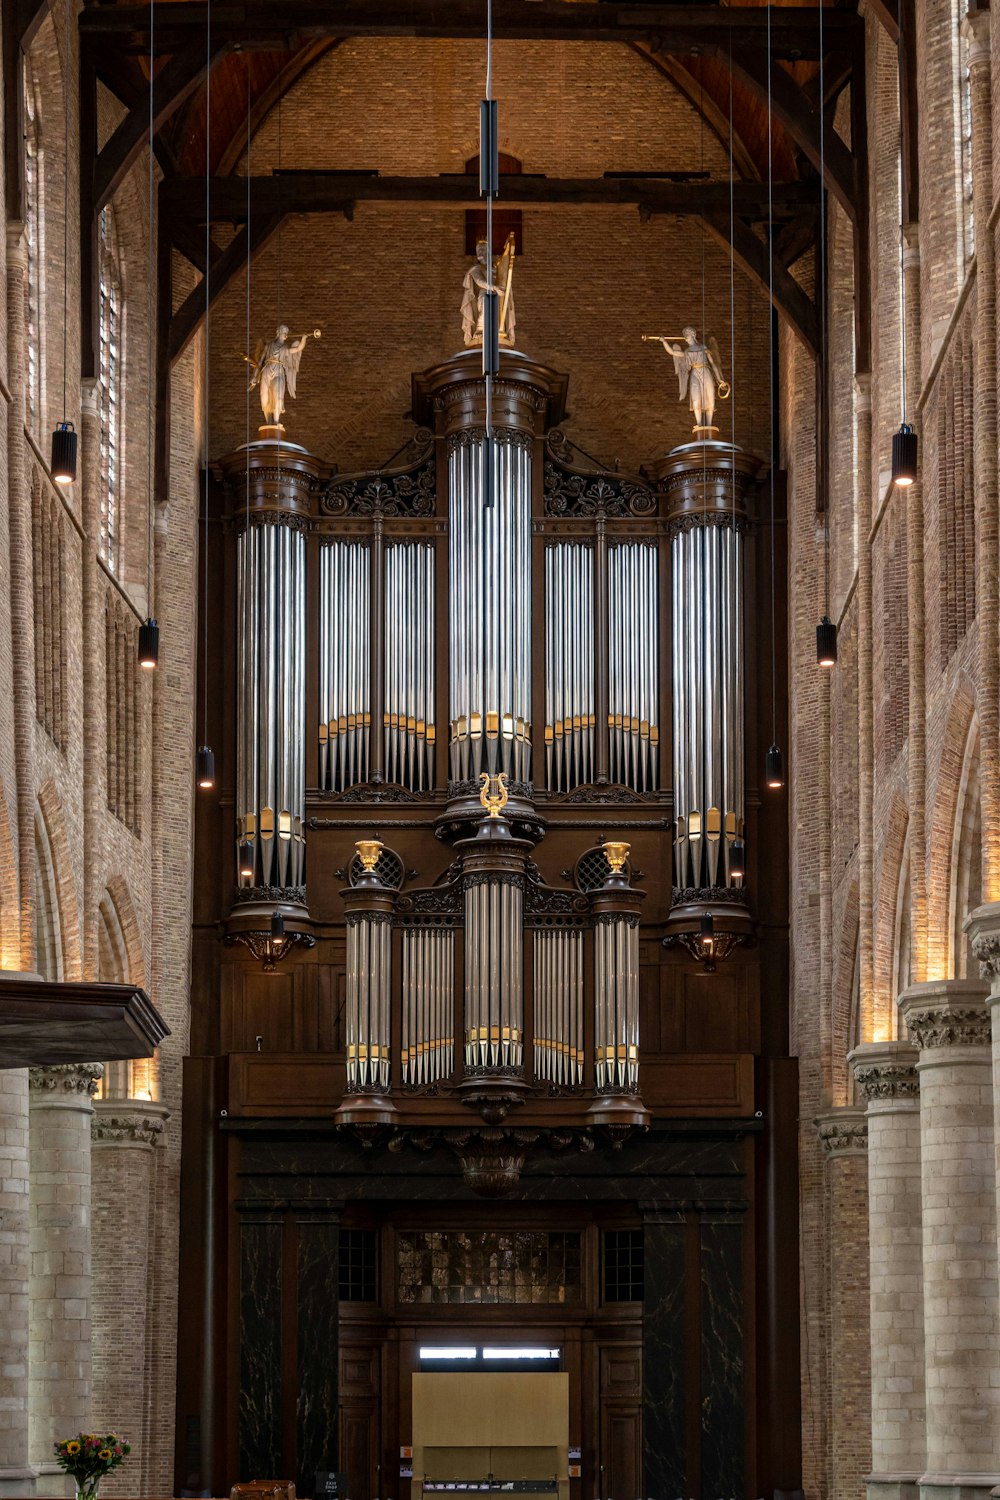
(787, 295)
(225, 268)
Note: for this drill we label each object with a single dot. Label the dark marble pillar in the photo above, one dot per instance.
(663, 1353)
(260, 1345)
(723, 1438)
(318, 1350)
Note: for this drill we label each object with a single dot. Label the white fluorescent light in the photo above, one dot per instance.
(520, 1353)
(465, 1352)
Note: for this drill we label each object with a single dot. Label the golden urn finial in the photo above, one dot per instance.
(368, 853)
(616, 853)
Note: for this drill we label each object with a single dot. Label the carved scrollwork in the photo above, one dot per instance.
(710, 895)
(726, 520)
(520, 789)
(293, 895)
(602, 796)
(370, 791)
(409, 489)
(576, 489)
(469, 437)
(438, 905)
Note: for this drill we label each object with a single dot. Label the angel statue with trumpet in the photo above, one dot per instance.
(275, 367)
(699, 374)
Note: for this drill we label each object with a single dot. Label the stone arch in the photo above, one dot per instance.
(892, 881)
(902, 939)
(944, 800)
(57, 885)
(965, 886)
(846, 996)
(118, 907)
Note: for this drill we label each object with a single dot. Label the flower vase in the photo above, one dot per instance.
(86, 1489)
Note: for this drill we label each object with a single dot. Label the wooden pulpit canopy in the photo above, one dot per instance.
(43, 1022)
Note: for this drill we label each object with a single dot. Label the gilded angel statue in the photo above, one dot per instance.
(275, 366)
(699, 374)
(477, 283)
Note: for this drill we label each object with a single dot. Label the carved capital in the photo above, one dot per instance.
(863, 391)
(976, 30)
(64, 1082)
(946, 1013)
(843, 1132)
(886, 1072)
(983, 926)
(17, 248)
(124, 1122)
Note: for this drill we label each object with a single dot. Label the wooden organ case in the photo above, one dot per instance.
(466, 1072)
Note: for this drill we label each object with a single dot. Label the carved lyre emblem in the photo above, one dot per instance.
(494, 793)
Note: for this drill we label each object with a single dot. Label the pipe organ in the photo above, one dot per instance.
(270, 732)
(527, 606)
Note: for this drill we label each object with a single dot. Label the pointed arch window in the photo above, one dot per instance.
(967, 225)
(112, 330)
(34, 232)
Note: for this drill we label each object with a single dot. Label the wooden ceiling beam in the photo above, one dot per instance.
(225, 268)
(174, 83)
(794, 110)
(333, 192)
(674, 28)
(787, 295)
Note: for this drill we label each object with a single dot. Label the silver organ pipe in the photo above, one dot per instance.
(428, 1030)
(490, 607)
(708, 722)
(369, 949)
(558, 1005)
(494, 982)
(633, 664)
(344, 663)
(569, 665)
(616, 1004)
(270, 757)
(408, 720)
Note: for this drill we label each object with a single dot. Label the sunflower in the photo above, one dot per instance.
(73, 1447)
(104, 1455)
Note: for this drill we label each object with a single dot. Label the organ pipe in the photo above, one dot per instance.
(408, 719)
(615, 907)
(344, 664)
(367, 1007)
(706, 513)
(558, 1006)
(633, 664)
(428, 1031)
(569, 665)
(490, 607)
(270, 769)
(494, 979)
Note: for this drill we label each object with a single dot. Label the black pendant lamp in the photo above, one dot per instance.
(149, 645)
(63, 462)
(774, 768)
(246, 861)
(706, 933)
(826, 643)
(277, 924)
(206, 767)
(904, 455)
(737, 860)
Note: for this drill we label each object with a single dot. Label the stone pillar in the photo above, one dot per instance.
(843, 1134)
(949, 1022)
(17, 1477)
(124, 1137)
(886, 1075)
(59, 1307)
(983, 926)
(866, 730)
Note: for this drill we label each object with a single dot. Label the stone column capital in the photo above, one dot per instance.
(946, 1013)
(976, 30)
(128, 1122)
(886, 1074)
(983, 926)
(911, 246)
(843, 1132)
(863, 390)
(63, 1084)
(90, 397)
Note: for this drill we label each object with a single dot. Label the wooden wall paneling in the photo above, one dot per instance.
(621, 1448)
(390, 1481)
(716, 1007)
(621, 1372)
(359, 1448)
(268, 1009)
(649, 996)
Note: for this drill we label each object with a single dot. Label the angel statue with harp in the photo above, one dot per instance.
(477, 283)
(699, 374)
(275, 366)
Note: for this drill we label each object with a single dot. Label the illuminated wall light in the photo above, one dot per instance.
(774, 767)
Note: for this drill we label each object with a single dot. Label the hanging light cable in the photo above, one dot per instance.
(774, 768)
(206, 758)
(737, 849)
(63, 457)
(826, 630)
(149, 631)
(489, 184)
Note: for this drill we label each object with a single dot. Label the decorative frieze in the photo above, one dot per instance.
(62, 1079)
(127, 1127)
